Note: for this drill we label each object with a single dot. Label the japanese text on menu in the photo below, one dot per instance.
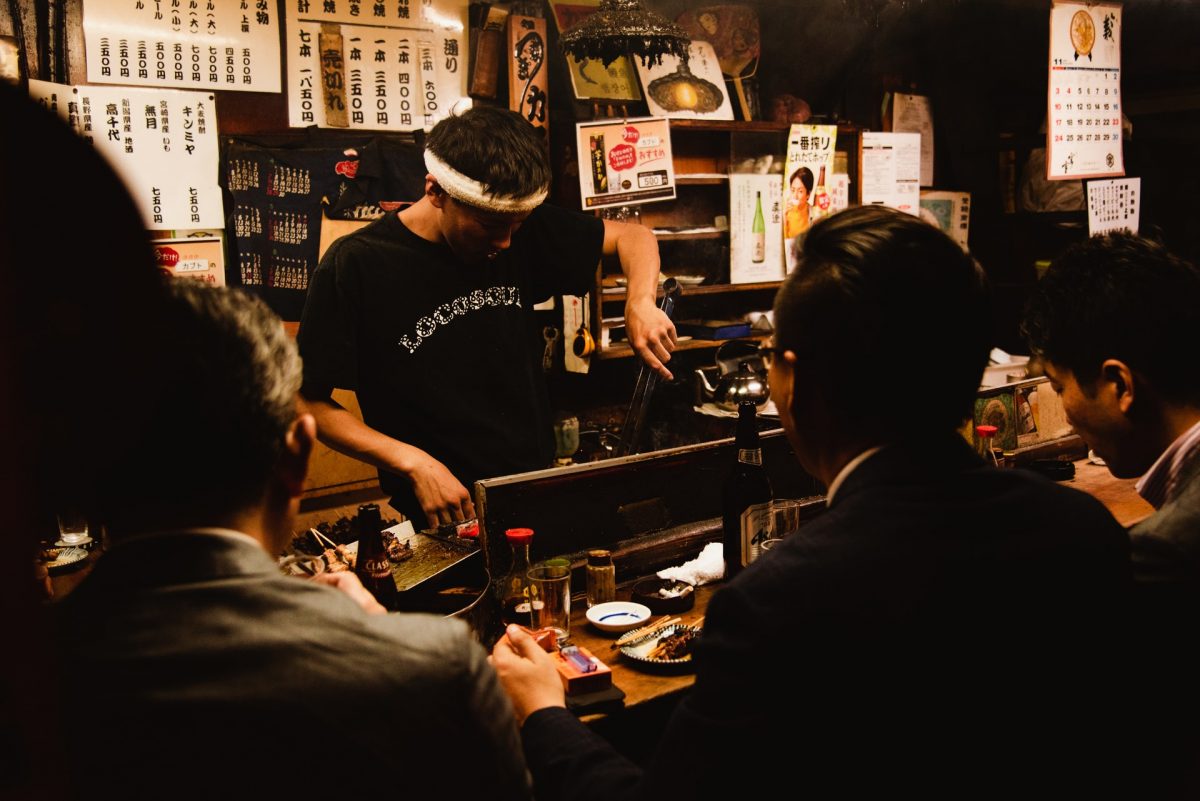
(231, 45)
(162, 142)
(1083, 129)
(401, 63)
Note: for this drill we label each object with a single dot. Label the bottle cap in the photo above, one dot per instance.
(519, 536)
(986, 431)
(599, 558)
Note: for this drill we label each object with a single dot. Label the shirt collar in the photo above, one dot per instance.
(1158, 485)
(845, 472)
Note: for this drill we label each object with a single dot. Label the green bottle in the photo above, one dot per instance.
(758, 231)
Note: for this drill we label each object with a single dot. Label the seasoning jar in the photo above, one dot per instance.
(601, 578)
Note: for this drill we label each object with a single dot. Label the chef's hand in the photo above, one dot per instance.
(651, 333)
(527, 674)
(443, 498)
(348, 583)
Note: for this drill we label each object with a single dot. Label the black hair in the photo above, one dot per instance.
(1120, 296)
(495, 146)
(876, 291)
(806, 177)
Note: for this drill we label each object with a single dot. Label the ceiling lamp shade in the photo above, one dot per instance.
(624, 26)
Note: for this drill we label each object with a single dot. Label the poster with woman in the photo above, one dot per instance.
(806, 171)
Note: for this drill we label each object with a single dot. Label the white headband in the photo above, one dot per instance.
(469, 191)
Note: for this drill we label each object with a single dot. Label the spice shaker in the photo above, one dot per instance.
(601, 578)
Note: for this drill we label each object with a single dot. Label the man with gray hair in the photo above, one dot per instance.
(204, 669)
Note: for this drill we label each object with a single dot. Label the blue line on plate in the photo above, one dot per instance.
(621, 614)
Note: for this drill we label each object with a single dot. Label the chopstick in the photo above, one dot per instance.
(643, 632)
(321, 536)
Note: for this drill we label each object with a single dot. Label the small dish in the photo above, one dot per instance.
(617, 616)
(63, 558)
(640, 650)
(681, 595)
(690, 280)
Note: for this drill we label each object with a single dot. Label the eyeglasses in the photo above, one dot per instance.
(767, 352)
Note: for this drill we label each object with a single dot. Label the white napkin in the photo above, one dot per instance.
(708, 566)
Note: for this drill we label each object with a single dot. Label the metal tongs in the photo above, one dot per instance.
(631, 431)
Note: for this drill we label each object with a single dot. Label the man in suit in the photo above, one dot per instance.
(196, 668)
(1114, 322)
(943, 628)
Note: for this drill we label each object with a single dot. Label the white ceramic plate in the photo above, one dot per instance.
(639, 650)
(618, 616)
(690, 280)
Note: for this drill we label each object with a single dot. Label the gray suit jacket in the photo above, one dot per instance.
(199, 671)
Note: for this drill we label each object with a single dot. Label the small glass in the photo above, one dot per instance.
(72, 529)
(566, 440)
(550, 593)
(785, 518)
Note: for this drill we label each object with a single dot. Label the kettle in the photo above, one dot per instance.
(745, 385)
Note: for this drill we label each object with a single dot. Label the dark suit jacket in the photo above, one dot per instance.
(943, 627)
(194, 669)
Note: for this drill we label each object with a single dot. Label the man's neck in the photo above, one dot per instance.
(422, 219)
(1177, 420)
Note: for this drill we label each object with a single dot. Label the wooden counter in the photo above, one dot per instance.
(1118, 494)
(639, 683)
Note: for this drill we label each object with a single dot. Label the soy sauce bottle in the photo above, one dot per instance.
(745, 496)
(372, 565)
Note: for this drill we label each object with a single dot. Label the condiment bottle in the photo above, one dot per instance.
(601, 578)
(515, 606)
(372, 565)
(745, 497)
(985, 437)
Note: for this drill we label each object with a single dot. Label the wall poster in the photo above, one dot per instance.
(1083, 131)
(624, 161)
(184, 44)
(807, 176)
(162, 142)
(891, 170)
(401, 64)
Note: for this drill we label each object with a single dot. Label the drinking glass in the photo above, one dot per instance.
(784, 521)
(550, 593)
(72, 529)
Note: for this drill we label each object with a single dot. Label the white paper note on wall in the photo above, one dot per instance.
(891, 170)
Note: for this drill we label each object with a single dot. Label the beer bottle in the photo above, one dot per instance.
(745, 496)
(372, 565)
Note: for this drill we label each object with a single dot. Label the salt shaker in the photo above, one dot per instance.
(601, 578)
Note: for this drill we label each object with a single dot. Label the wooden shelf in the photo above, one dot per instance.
(626, 351)
(699, 232)
(757, 126)
(707, 289)
(701, 179)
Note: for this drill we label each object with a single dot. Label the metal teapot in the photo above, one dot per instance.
(746, 384)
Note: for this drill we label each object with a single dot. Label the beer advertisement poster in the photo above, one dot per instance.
(807, 176)
(624, 161)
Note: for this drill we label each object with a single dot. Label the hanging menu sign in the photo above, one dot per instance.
(399, 67)
(891, 170)
(183, 44)
(1083, 131)
(163, 144)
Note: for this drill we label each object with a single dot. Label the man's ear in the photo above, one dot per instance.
(1119, 378)
(297, 448)
(433, 190)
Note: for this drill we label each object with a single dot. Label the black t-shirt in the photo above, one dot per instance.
(444, 355)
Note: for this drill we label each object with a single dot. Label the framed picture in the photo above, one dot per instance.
(691, 90)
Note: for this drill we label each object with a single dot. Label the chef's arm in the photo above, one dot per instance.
(650, 331)
(443, 498)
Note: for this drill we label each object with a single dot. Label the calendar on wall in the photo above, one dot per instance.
(1083, 119)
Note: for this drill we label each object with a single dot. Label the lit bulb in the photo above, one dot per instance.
(685, 95)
